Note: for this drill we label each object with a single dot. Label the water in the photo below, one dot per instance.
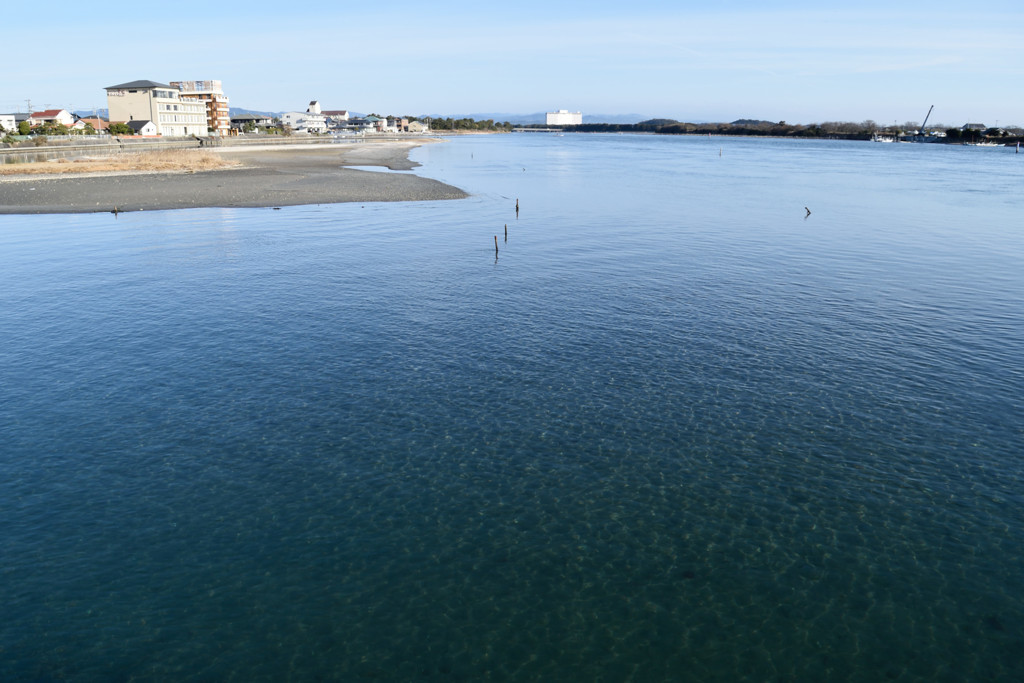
(676, 430)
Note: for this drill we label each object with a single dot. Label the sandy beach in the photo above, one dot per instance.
(267, 176)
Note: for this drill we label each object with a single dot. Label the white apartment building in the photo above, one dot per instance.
(159, 103)
(563, 117)
(218, 116)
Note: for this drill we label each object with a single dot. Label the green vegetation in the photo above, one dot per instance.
(50, 128)
(464, 124)
(833, 130)
(24, 128)
(120, 129)
(829, 129)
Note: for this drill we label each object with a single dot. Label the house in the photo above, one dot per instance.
(974, 126)
(369, 124)
(240, 121)
(418, 127)
(8, 123)
(397, 125)
(158, 103)
(143, 128)
(54, 116)
(98, 123)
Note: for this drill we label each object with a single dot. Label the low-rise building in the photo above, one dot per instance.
(211, 93)
(240, 121)
(563, 117)
(9, 123)
(98, 124)
(147, 128)
(61, 116)
(309, 121)
(162, 104)
(335, 117)
(396, 124)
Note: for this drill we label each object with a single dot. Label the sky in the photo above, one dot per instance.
(796, 61)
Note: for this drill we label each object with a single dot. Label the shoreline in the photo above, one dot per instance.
(268, 176)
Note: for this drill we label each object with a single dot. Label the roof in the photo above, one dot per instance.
(138, 125)
(48, 114)
(137, 84)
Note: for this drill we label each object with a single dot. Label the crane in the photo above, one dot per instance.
(921, 132)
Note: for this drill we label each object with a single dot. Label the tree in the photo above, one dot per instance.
(120, 129)
(51, 128)
(24, 128)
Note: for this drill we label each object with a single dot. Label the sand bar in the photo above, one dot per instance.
(268, 176)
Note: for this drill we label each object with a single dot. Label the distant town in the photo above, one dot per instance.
(200, 108)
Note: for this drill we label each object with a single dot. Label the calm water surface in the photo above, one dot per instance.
(676, 430)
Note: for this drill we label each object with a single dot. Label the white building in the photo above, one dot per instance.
(9, 123)
(61, 116)
(564, 117)
(159, 103)
(304, 122)
(309, 121)
(218, 115)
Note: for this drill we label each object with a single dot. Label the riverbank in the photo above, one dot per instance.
(267, 176)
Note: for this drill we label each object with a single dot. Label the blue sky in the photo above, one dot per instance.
(797, 61)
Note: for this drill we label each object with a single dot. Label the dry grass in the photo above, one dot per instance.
(181, 160)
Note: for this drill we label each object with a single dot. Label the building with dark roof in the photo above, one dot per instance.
(162, 104)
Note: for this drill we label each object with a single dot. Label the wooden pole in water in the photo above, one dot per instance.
(495, 245)
(517, 207)
(506, 232)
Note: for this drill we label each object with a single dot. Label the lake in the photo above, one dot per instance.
(675, 428)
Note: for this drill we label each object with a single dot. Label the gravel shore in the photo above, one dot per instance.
(268, 176)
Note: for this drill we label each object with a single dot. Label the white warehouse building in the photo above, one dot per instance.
(564, 117)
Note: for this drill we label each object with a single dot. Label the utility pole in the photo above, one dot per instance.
(29, 103)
